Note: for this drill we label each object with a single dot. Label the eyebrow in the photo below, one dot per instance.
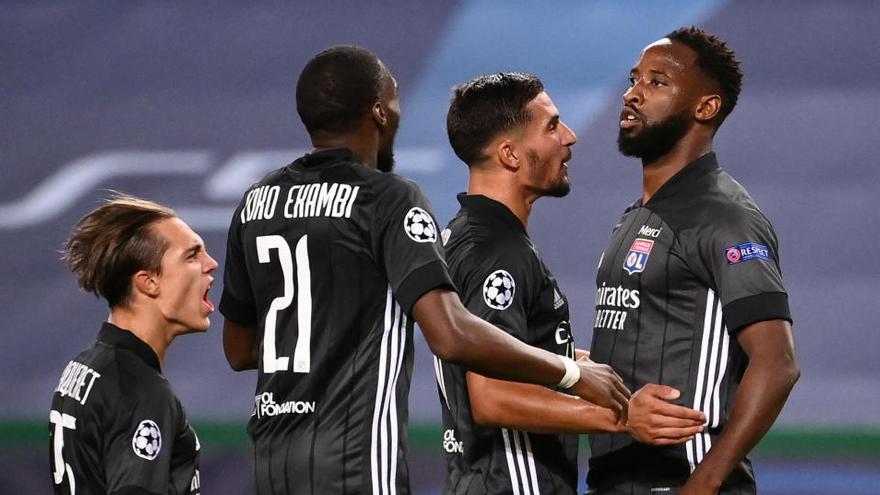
(633, 71)
(193, 250)
(553, 120)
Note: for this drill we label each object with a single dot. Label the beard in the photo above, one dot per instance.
(654, 140)
(385, 160)
(559, 188)
(385, 156)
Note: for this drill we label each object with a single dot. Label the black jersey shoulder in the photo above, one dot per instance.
(485, 226)
(341, 165)
(129, 369)
(486, 230)
(703, 197)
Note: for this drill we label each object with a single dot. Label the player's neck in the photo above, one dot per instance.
(149, 328)
(365, 148)
(657, 172)
(504, 192)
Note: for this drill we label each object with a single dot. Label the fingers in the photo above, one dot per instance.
(658, 421)
(680, 412)
(616, 379)
(670, 441)
(671, 436)
(620, 403)
(621, 387)
(664, 392)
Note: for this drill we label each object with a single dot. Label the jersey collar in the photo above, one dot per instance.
(119, 337)
(322, 157)
(488, 207)
(686, 177)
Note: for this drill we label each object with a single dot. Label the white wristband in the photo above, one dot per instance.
(572, 373)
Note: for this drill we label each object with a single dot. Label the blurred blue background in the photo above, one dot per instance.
(188, 103)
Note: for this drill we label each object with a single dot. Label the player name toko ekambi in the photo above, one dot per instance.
(305, 200)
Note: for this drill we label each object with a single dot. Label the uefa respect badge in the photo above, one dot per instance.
(745, 252)
(637, 257)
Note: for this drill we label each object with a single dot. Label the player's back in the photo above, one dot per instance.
(326, 257)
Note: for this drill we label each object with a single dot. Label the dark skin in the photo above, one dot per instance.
(665, 82)
(505, 176)
(452, 333)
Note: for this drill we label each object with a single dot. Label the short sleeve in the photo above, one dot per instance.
(494, 285)
(742, 257)
(237, 302)
(407, 242)
(139, 448)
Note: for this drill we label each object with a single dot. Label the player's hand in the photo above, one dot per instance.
(600, 385)
(653, 420)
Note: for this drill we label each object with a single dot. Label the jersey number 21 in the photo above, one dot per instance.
(302, 355)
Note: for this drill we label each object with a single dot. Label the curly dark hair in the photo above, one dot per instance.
(716, 60)
(485, 106)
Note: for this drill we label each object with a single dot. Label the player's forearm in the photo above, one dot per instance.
(535, 408)
(492, 352)
(759, 399)
(457, 336)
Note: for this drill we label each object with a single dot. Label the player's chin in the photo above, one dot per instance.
(197, 324)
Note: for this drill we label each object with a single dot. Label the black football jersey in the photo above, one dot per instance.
(116, 426)
(502, 279)
(681, 275)
(327, 258)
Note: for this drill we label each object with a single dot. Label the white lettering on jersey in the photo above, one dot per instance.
(320, 200)
(61, 421)
(650, 232)
(450, 444)
(260, 203)
(147, 440)
(265, 405)
(610, 318)
(75, 377)
(615, 297)
(564, 337)
(196, 484)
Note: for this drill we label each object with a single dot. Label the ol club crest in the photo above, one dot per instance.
(637, 257)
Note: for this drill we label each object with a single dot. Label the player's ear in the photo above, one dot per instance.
(708, 108)
(507, 154)
(378, 113)
(146, 283)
